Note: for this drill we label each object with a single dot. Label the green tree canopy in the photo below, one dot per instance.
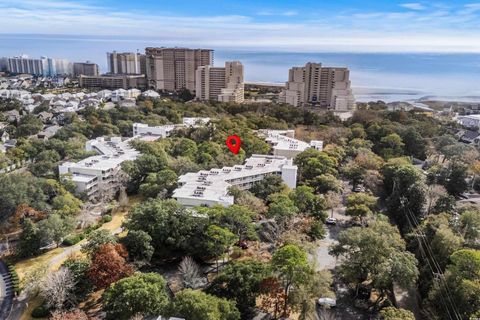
(142, 293)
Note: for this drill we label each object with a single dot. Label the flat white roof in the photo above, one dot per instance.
(212, 185)
(112, 154)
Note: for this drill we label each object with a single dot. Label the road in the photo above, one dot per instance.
(6, 291)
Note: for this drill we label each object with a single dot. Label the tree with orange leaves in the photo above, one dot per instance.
(109, 265)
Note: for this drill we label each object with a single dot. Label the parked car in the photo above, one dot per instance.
(331, 221)
(327, 302)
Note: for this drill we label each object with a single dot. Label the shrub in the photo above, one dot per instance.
(15, 278)
(73, 239)
(40, 312)
(106, 218)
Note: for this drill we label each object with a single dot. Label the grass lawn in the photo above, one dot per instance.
(22, 267)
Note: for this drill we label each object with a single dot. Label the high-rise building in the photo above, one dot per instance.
(125, 63)
(63, 67)
(85, 68)
(220, 83)
(23, 64)
(173, 69)
(319, 86)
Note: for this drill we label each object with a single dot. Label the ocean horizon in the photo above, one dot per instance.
(393, 76)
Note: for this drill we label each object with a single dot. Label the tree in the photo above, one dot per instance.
(190, 273)
(433, 194)
(78, 267)
(237, 219)
(415, 144)
(360, 205)
(360, 198)
(96, 239)
(139, 245)
(219, 240)
(17, 189)
(241, 281)
(159, 184)
(358, 211)
(55, 228)
(376, 253)
(354, 173)
(306, 201)
(392, 313)
(317, 231)
(391, 146)
(304, 296)
(281, 208)
(462, 280)
(109, 265)
(142, 293)
(29, 241)
(326, 182)
(269, 185)
(197, 305)
(58, 289)
(171, 226)
(404, 191)
(312, 163)
(66, 205)
(469, 225)
(453, 178)
(291, 266)
(333, 200)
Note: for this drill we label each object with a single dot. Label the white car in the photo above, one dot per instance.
(327, 302)
(331, 221)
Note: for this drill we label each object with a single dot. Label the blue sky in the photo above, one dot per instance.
(301, 25)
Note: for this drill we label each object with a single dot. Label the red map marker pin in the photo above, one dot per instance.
(234, 143)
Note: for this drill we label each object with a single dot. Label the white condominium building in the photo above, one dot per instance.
(209, 188)
(319, 86)
(23, 64)
(173, 69)
(223, 84)
(147, 133)
(100, 175)
(284, 144)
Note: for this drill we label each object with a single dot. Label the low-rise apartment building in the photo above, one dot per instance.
(148, 133)
(284, 144)
(100, 176)
(211, 187)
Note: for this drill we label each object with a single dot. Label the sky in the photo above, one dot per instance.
(299, 26)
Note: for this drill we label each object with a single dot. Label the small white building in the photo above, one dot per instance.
(144, 130)
(209, 188)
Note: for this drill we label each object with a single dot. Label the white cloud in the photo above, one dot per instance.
(439, 29)
(413, 6)
(288, 13)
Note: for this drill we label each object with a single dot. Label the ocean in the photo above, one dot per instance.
(374, 76)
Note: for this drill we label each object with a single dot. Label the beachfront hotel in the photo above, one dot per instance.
(315, 85)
